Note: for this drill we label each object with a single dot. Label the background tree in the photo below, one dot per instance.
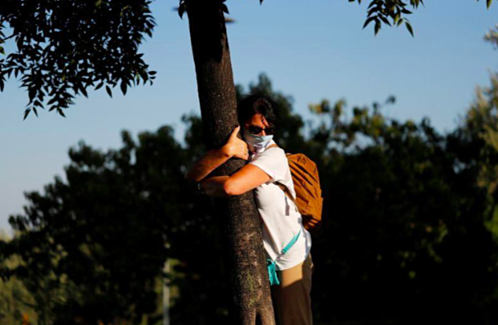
(95, 243)
(405, 236)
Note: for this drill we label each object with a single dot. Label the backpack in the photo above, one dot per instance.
(306, 181)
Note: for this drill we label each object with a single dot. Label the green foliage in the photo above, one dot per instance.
(65, 47)
(16, 303)
(379, 11)
(407, 228)
(478, 134)
(410, 215)
(93, 247)
(409, 223)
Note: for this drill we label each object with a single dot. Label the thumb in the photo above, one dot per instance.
(235, 131)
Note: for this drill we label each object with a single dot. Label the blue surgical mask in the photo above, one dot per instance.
(256, 143)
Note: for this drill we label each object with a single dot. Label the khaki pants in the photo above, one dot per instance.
(291, 299)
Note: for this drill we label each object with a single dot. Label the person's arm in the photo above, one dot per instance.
(245, 179)
(207, 163)
(268, 166)
(214, 158)
(215, 186)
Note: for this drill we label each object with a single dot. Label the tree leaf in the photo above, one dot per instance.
(396, 18)
(409, 27)
(26, 113)
(83, 91)
(181, 9)
(224, 8)
(368, 21)
(384, 19)
(60, 112)
(373, 3)
(109, 91)
(377, 27)
(124, 86)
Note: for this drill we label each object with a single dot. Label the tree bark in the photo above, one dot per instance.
(251, 303)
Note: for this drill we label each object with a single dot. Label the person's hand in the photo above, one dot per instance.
(236, 147)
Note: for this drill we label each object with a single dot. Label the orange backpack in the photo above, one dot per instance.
(306, 181)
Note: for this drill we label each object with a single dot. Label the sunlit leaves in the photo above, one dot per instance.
(63, 48)
(320, 108)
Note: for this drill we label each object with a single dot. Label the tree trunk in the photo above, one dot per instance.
(246, 264)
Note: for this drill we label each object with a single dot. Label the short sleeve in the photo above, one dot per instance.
(273, 162)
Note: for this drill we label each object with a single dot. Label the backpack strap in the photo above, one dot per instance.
(282, 186)
(286, 191)
(272, 270)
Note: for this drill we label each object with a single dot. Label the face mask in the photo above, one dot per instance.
(256, 143)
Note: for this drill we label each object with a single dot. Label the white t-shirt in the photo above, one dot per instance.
(281, 218)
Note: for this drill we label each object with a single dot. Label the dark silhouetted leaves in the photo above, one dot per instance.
(65, 47)
(381, 11)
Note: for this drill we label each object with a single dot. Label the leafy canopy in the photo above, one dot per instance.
(65, 47)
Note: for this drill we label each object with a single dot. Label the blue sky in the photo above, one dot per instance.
(310, 49)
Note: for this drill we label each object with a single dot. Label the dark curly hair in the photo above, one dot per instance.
(254, 104)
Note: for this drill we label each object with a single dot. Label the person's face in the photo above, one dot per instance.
(258, 125)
